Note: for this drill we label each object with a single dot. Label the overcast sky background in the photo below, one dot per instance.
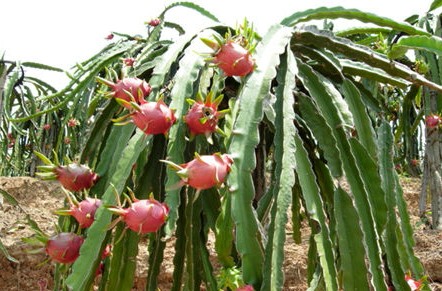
(61, 33)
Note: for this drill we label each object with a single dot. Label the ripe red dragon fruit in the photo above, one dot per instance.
(433, 120)
(153, 117)
(203, 116)
(129, 62)
(128, 90)
(414, 162)
(234, 59)
(83, 212)
(75, 177)
(64, 247)
(205, 171)
(233, 53)
(72, 122)
(106, 253)
(143, 216)
(11, 139)
(154, 22)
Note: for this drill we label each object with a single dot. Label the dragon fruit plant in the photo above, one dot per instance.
(299, 117)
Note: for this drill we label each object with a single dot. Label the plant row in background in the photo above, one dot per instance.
(227, 132)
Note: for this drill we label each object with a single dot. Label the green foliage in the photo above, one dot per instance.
(309, 137)
(339, 12)
(434, 5)
(20, 97)
(429, 43)
(429, 53)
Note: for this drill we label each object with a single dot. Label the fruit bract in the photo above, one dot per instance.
(413, 284)
(234, 60)
(205, 171)
(64, 247)
(153, 117)
(75, 177)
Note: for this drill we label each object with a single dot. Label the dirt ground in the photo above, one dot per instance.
(39, 199)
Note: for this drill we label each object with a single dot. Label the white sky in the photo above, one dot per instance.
(62, 33)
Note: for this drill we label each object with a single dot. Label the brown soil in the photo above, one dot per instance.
(38, 199)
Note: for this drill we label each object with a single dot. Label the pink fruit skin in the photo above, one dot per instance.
(432, 120)
(129, 62)
(154, 22)
(154, 118)
(126, 87)
(84, 213)
(106, 252)
(207, 171)
(234, 60)
(246, 288)
(145, 216)
(64, 247)
(196, 113)
(100, 269)
(75, 177)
